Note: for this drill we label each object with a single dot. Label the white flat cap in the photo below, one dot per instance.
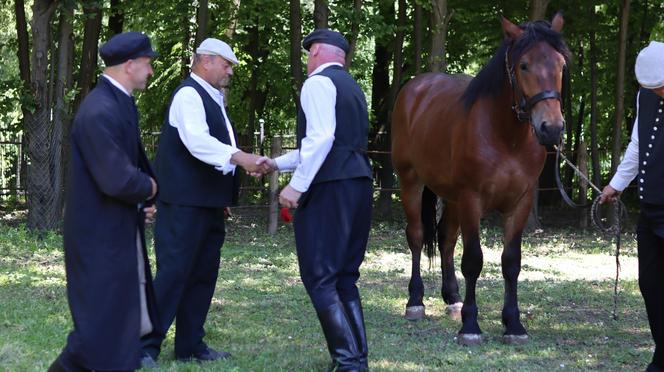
(649, 67)
(217, 47)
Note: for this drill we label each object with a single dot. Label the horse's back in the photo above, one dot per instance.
(426, 111)
(431, 94)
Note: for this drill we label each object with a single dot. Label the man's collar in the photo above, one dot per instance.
(324, 66)
(116, 84)
(207, 86)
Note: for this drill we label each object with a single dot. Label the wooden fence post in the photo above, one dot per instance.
(273, 215)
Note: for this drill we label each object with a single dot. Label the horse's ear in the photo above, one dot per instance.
(511, 30)
(557, 22)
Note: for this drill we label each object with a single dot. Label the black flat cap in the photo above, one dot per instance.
(126, 46)
(326, 36)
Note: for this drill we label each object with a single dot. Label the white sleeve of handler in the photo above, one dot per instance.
(629, 166)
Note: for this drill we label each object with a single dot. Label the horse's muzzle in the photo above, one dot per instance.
(549, 133)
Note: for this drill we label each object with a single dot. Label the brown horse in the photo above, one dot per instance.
(478, 143)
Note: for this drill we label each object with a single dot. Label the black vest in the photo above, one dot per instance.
(347, 157)
(185, 180)
(650, 180)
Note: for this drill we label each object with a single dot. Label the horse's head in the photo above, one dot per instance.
(535, 61)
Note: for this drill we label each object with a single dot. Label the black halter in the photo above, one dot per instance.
(523, 107)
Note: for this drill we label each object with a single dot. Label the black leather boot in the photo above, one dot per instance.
(356, 318)
(340, 338)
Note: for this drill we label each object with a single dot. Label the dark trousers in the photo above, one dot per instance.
(331, 231)
(66, 363)
(188, 241)
(650, 243)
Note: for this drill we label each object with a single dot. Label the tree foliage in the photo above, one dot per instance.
(264, 86)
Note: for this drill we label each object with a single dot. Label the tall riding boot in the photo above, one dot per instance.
(356, 318)
(340, 338)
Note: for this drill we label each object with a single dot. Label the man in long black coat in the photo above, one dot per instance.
(110, 188)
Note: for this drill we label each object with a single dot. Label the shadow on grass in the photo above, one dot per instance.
(262, 315)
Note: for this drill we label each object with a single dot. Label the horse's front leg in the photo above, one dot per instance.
(515, 333)
(472, 261)
(411, 199)
(448, 228)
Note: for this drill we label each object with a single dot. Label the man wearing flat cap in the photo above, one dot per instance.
(196, 167)
(331, 188)
(110, 189)
(644, 158)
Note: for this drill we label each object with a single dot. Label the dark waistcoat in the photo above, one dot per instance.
(185, 180)
(347, 157)
(650, 180)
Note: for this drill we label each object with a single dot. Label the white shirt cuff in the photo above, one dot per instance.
(299, 183)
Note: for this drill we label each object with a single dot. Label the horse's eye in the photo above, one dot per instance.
(523, 66)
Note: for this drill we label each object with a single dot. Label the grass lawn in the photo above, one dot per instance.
(262, 315)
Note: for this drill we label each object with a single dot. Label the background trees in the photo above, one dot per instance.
(49, 62)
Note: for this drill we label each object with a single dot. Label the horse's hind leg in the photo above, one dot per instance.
(472, 261)
(515, 333)
(411, 198)
(448, 228)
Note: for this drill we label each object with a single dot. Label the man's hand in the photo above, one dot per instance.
(265, 166)
(609, 194)
(247, 161)
(289, 197)
(150, 213)
(154, 188)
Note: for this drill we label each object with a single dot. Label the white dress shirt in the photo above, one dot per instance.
(188, 116)
(116, 84)
(629, 166)
(318, 99)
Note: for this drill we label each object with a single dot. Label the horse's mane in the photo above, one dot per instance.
(489, 81)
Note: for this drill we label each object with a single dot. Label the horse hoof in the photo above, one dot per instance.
(414, 312)
(454, 310)
(469, 339)
(515, 339)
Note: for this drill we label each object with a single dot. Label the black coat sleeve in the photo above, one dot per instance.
(102, 138)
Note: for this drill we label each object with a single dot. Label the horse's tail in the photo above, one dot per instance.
(429, 225)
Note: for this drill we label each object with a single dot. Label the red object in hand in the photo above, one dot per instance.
(285, 215)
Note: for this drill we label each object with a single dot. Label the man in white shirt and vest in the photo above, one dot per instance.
(196, 167)
(644, 158)
(331, 188)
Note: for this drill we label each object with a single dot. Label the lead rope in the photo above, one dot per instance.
(619, 211)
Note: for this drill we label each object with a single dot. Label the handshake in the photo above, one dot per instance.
(258, 166)
(254, 165)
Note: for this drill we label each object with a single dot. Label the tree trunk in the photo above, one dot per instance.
(230, 32)
(202, 17)
(185, 55)
(538, 9)
(115, 18)
(583, 184)
(620, 86)
(23, 51)
(255, 94)
(440, 19)
(379, 140)
(40, 192)
(61, 113)
(417, 37)
(573, 141)
(594, 147)
(321, 13)
(354, 31)
(296, 51)
(88, 69)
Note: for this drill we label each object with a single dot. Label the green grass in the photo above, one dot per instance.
(262, 315)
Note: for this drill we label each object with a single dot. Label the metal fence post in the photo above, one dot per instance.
(273, 214)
